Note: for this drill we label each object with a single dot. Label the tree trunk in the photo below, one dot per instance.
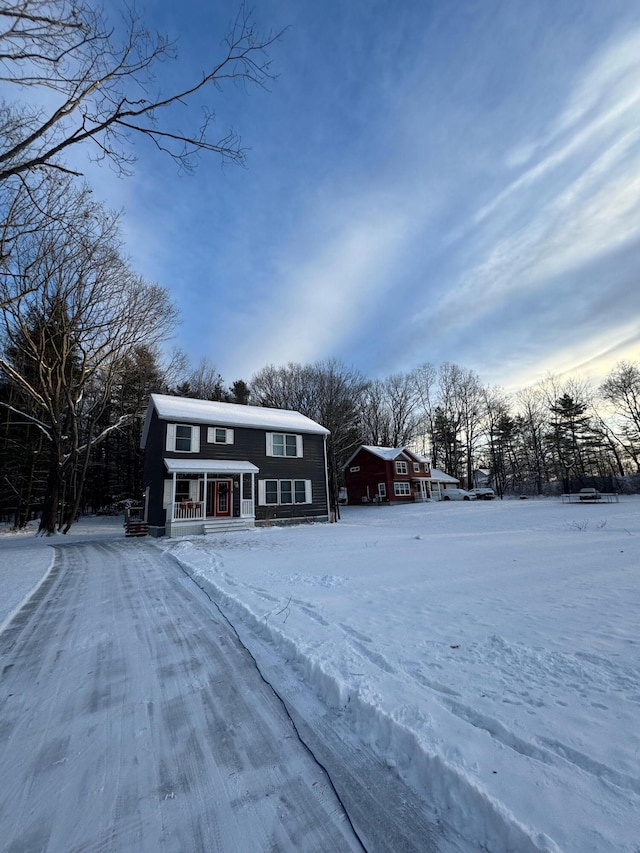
(74, 509)
(49, 516)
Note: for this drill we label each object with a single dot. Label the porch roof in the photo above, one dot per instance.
(209, 466)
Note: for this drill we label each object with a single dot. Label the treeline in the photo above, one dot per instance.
(80, 352)
(561, 434)
(81, 355)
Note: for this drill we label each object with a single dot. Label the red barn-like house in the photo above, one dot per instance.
(387, 474)
(393, 475)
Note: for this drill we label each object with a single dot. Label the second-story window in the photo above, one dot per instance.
(183, 438)
(219, 435)
(402, 468)
(284, 444)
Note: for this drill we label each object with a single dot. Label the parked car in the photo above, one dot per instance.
(483, 494)
(457, 495)
(589, 495)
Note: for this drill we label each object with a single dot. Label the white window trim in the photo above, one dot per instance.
(402, 467)
(382, 490)
(171, 438)
(262, 491)
(354, 469)
(401, 488)
(270, 452)
(211, 435)
(416, 467)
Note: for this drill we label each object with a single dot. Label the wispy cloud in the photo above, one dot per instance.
(575, 204)
(451, 186)
(327, 287)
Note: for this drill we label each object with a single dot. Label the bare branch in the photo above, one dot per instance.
(106, 87)
(32, 420)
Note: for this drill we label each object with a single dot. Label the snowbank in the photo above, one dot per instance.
(487, 651)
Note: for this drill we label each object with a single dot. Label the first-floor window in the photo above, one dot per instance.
(382, 490)
(270, 491)
(286, 491)
(401, 489)
(282, 492)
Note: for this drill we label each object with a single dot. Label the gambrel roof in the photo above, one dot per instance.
(186, 410)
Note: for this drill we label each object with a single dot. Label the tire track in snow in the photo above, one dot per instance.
(137, 722)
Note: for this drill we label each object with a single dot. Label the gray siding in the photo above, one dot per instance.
(154, 472)
(249, 445)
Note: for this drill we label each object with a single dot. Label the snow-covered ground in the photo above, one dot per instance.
(489, 652)
(25, 557)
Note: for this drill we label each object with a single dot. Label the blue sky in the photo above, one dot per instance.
(427, 182)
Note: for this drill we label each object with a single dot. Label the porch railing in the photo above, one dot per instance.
(188, 510)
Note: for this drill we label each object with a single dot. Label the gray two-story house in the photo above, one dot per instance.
(216, 466)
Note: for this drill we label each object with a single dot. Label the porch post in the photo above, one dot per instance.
(204, 496)
(241, 491)
(173, 495)
(253, 492)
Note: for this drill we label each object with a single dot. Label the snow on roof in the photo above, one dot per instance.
(442, 477)
(227, 414)
(388, 453)
(211, 466)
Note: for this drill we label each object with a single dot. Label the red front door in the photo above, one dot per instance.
(219, 498)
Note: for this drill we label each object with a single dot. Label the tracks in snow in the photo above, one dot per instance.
(133, 719)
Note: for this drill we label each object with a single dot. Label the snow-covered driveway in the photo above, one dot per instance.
(131, 718)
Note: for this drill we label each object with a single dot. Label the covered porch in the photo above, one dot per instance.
(424, 488)
(208, 495)
(428, 488)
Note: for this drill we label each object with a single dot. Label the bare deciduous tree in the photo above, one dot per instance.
(65, 341)
(424, 377)
(91, 82)
(202, 382)
(329, 393)
(25, 208)
(286, 387)
(391, 411)
(531, 413)
(621, 389)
